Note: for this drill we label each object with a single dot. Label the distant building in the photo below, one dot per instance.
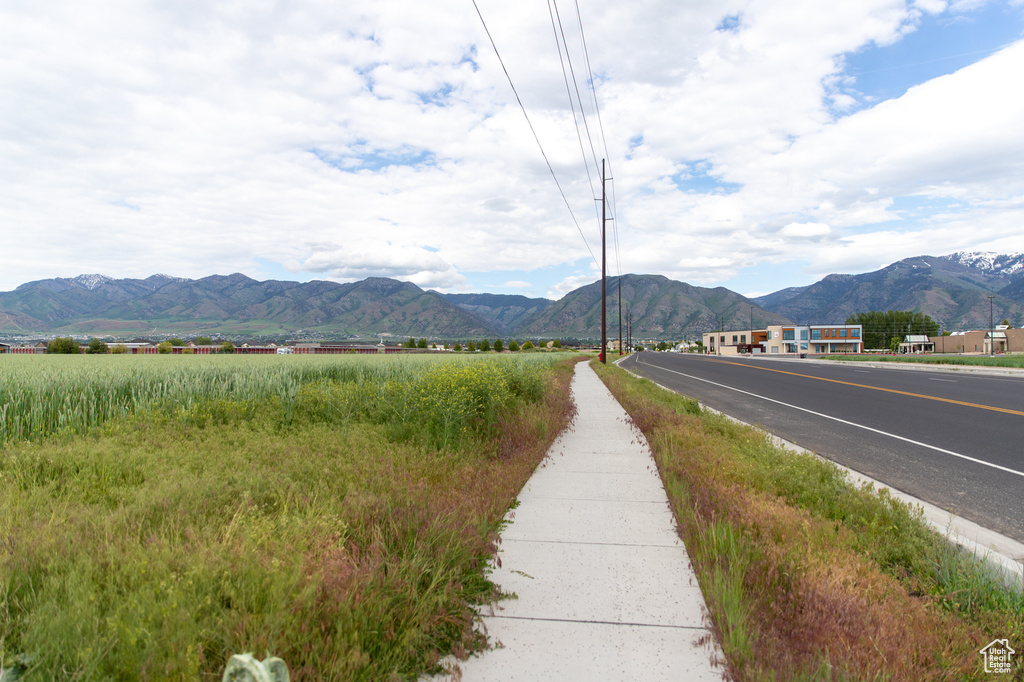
(786, 339)
(978, 341)
(996, 342)
(917, 343)
(735, 342)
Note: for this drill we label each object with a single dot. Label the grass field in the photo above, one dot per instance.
(161, 513)
(1014, 361)
(807, 577)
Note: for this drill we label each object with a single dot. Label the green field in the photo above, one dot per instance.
(1013, 361)
(161, 513)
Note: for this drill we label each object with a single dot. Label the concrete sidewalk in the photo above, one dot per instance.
(604, 584)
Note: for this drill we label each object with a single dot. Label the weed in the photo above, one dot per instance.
(1016, 360)
(807, 576)
(262, 515)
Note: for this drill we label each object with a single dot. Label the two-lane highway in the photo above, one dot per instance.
(953, 439)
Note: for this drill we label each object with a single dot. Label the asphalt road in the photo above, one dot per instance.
(953, 439)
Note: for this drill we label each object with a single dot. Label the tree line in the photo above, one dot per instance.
(887, 329)
(66, 345)
(483, 345)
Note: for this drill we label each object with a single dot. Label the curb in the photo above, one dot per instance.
(1004, 554)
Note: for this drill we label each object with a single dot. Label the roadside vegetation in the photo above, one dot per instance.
(1013, 361)
(807, 576)
(162, 513)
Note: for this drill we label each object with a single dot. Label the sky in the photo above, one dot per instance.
(751, 144)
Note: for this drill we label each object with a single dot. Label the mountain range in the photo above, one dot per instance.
(957, 290)
(954, 290)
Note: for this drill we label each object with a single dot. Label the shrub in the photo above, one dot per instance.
(498, 346)
(227, 347)
(119, 349)
(164, 347)
(96, 347)
(513, 346)
(63, 345)
(485, 345)
(527, 345)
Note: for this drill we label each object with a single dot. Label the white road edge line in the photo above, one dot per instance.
(1002, 551)
(848, 423)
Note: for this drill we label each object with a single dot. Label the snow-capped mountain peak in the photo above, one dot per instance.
(90, 282)
(1005, 264)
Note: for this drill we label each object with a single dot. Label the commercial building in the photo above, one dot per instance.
(786, 339)
(789, 339)
(1000, 340)
(916, 343)
(735, 342)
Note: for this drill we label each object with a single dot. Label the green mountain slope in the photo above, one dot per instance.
(234, 304)
(657, 306)
(505, 313)
(953, 290)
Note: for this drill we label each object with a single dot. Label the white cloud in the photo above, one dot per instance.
(569, 284)
(931, 6)
(806, 230)
(382, 139)
(360, 259)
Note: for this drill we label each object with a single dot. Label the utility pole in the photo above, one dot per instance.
(751, 330)
(604, 292)
(991, 341)
(620, 314)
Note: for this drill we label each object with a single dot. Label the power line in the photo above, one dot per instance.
(604, 142)
(593, 89)
(575, 84)
(532, 130)
(568, 92)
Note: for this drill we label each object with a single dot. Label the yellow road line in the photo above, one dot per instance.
(878, 388)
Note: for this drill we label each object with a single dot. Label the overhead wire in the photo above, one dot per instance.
(536, 138)
(552, 13)
(604, 143)
(575, 82)
(565, 57)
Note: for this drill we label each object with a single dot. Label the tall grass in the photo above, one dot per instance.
(807, 576)
(68, 395)
(331, 513)
(1014, 361)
